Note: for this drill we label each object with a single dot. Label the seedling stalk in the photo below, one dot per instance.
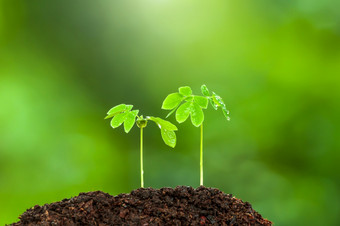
(201, 157)
(141, 159)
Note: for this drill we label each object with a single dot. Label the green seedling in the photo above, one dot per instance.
(124, 114)
(184, 103)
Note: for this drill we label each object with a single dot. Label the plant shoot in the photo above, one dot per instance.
(185, 104)
(123, 113)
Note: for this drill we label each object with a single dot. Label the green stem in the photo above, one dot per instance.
(201, 156)
(141, 159)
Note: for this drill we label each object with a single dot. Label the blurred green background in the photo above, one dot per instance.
(276, 64)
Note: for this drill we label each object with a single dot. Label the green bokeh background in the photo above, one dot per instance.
(276, 64)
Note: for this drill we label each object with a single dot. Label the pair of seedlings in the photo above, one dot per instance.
(184, 103)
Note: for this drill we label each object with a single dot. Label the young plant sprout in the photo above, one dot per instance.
(185, 104)
(122, 113)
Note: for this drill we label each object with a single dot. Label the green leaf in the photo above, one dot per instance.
(120, 107)
(172, 101)
(130, 120)
(189, 98)
(128, 107)
(205, 90)
(170, 113)
(197, 115)
(226, 113)
(163, 124)
(169, 137)
(213, 104)
(201, 101)
(219, 100)
(115, 110)
(118, 120)
(110, 116)
(216, 102)
(185, 90)
(183, 112)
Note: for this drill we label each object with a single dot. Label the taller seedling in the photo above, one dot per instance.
(185, 104)
(122, 114)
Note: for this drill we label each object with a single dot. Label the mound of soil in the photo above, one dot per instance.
(147, 206)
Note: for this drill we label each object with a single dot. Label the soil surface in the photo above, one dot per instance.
(147, 206)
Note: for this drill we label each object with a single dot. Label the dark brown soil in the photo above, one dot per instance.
(165, 206)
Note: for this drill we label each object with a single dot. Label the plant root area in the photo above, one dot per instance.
(147, 206)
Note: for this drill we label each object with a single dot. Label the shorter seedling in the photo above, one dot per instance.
(124, 114)
(185, 104)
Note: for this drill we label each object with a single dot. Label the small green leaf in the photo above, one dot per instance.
(219, 100)
(115, 110)
(197, 116)
(189, 98)
(205, 90)
(118, 120)
(226, 113)
(185, 90)
(216, 102)
(130, 120)
(183, 112)
(135, 112)
(110, 116)
(169, 137)
(163, 124)
(128, 107)
(170, 113)
(172, 101)
(201, 101)
(213, 104)
(120, 107)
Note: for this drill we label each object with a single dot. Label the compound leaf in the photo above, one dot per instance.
(118, 119)
(185, 90)
(197, 115)
(130, 120)
(201, 101)
(172, 101)
(205, 90)
(183, 112)
(169, 137)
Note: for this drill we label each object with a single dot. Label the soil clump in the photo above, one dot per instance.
(146, 206)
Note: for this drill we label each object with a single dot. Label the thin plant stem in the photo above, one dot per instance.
(201, 156)
(141, 159)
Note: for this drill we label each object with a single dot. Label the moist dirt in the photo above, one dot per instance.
(147, 206)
